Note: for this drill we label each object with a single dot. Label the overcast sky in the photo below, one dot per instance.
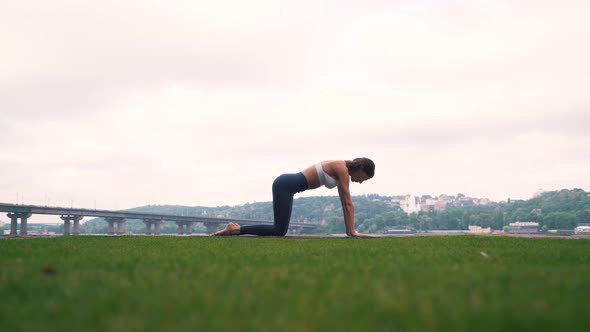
(117, 103)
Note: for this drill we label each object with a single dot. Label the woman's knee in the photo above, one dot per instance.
(281, 231)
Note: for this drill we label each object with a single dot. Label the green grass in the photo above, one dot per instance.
(294, 284)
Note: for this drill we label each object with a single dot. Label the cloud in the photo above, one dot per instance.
(438, 133)
(196, 102)
(77, 54)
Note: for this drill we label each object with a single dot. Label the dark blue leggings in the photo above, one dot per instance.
(283, 189)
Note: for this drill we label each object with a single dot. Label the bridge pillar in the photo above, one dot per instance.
(14, 222)
(212, 227)
(77, 225)
(119, 221)
(23, 224)
(157, 224)
(189, 228)
(148, 227)
(152, 224)
(66, 226)
(180, 227)
(120, 226)
(111, 230)
(67, 219)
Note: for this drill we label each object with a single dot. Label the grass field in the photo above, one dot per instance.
(459, 283)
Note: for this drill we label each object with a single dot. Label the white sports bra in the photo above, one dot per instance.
(325, 178)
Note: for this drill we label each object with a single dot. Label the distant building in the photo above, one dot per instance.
(440, 205)
(395, 203)
(484, 201)
(410, 205)
(582, 230)
(466, 202)
(329, 207)
(479, 230)
(429, 201)
(523, 227)
(428, 204)
(427, 207)
(401, 230)
(447, 198)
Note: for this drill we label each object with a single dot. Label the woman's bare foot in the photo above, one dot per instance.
(231, 229)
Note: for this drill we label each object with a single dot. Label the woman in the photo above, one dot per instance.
(328, 173)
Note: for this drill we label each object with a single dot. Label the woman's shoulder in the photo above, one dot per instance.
(334, 166)
(334, 162)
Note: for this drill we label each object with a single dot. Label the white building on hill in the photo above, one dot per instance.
(410, 205)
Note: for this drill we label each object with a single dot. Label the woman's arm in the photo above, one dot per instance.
(346, 200)
(347, 206)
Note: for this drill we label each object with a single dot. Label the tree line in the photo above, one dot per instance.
(563, 209)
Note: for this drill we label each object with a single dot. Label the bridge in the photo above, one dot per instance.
(118, 217)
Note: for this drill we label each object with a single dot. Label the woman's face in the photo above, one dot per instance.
(359, 176)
